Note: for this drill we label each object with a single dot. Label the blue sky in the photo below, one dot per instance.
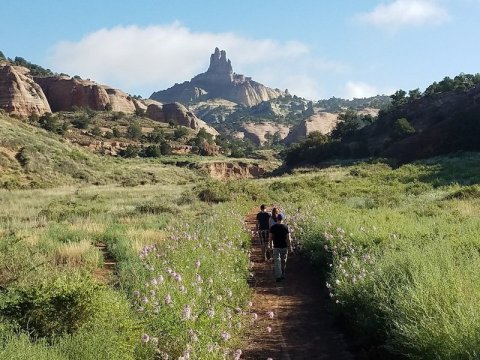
(316, 49)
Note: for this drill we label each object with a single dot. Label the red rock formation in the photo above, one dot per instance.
(19, 94)
(63, 93)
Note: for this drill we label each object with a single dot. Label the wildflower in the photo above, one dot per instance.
(140, 309)
(152, 293)
(270, 314)
(210, 348)
(182, 289)
(199, 279)
(136, 293)
(197, 264)
(269, 329)
(254, 316)
(337, 282)
(211, 313)
(226, 336)
(237, 354)
(168, 299)
(178, 277)
(160, 279)
(250, 304)
(187, 312)
(145, 338)
(145, 300)
(154, 282)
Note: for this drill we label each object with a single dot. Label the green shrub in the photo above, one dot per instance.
(55, 306)
(402, 128)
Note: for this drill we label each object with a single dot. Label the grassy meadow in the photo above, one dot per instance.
(399, 249)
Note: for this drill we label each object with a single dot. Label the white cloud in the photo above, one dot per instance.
(154, 58)
(360, 90)
(406, 13)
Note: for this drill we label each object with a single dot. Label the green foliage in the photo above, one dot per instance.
(52, 123)
(35, 70)
(139, 112)
(60, 305)
(130, 151)
(398, 248)
(2, 56)
(81, 121)
(116, 132)
(180, 132)
(96, 131)
(401, 129)
(134, 131)
(349, 124)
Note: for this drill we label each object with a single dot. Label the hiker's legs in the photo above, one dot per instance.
(284, 256)
(263, 242)
(279, 260)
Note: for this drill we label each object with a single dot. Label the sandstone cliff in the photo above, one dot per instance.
(219, 81)
(257, 132)
(320, 121)
(19, 94)
(179, 114)
(64, 93)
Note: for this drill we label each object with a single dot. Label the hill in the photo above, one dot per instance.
(442, 120)
(31, 157)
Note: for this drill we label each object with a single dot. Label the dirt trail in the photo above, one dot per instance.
(106, 273)
(302, 326)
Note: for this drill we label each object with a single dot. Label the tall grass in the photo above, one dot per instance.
(399, 249)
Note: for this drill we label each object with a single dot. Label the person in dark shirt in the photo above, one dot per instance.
(281, 243)
(263, 220)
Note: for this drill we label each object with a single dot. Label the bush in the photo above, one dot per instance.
(55, 306)
(401, 129)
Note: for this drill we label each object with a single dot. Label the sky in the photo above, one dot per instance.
(315, 49)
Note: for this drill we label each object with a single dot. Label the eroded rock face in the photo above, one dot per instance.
(64, 93)
(19, 94)
(258, 132)
(231, 170)
(219, 81)
(320, 121)
(178, 114)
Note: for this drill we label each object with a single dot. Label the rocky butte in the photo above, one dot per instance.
(219, 81)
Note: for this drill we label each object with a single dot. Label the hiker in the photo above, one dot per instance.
(273, 218)
(263, 221)
(281, 243)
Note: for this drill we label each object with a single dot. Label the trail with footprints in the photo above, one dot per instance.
(302, 326)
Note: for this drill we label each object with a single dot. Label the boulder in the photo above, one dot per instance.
(19, 94)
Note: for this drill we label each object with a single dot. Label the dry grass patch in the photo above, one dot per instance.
(140, 238)
(78, 254)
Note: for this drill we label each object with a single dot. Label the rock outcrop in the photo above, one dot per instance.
(259, 132)
(64, 93)
(320, 121)
(219, 81)
(19, 94)
(177, 114)
(231, 170)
